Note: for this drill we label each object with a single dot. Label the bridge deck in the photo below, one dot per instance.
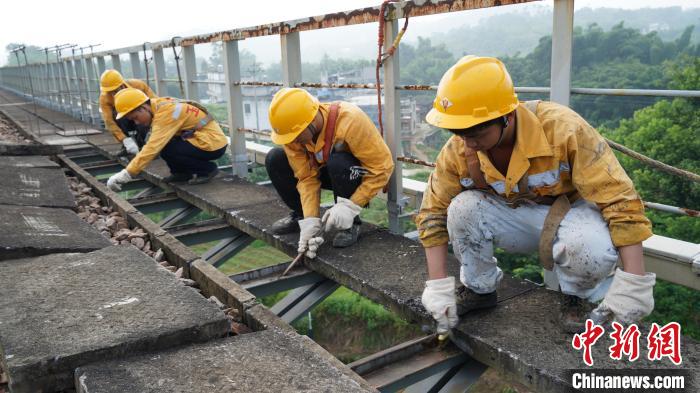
(520, 336)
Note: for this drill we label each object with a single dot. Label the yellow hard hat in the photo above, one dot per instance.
(291, 111)
(110, 80)
(474, 90)
(127, 100)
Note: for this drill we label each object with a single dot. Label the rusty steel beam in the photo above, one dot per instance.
(251, 83)
(254, 131)
(347, 18)
(416, 161)
(397, 10)
(336, 85)
(416, 87)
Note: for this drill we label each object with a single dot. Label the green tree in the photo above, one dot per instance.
(424, 63)
(668, 131)
(246, 58)
(620, 58)
(35, 54)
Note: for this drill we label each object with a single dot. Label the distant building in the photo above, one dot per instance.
(261, 97)
(253, 96)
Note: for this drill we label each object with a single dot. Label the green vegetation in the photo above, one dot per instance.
(619, 58)
(258, 254)
(351, 326)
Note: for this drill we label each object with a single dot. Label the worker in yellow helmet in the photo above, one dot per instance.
(132, 136)
(325, 145)
(527, 176)
(182, 132)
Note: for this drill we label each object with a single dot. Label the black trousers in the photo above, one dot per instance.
(342, 174)
(183, 157)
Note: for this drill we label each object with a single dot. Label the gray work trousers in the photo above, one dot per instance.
(584, 255)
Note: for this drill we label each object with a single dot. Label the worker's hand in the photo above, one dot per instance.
(341, 215)
(130, 146)
(115, 181)
(629, 299)
(440, 301)
(309, 239)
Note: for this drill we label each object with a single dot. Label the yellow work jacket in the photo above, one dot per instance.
(170, 118)
(107, 107)
(561, 154)
(355, 133)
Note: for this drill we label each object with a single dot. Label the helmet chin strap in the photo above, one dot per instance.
(503, 128)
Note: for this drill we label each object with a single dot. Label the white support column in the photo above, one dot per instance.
(116, 63)
(562, 33)
(101, 65)
(291, 59)
(234, 99)
(74, 88)
(56, 85)
(81, 85)
(392, 127)
(189, 72)
(68, 92)
(159, 67)
(43, 69)
(93, 89)
(136, 68)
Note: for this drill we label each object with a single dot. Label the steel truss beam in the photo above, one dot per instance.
(202, 232)
(299, 301)
(267, 281)
(414, 361)
(158, 203)
(179, 216)
(227, 248)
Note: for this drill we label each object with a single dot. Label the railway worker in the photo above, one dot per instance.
(335, 146)
(125, 131)
(496, 182)
(183, 133)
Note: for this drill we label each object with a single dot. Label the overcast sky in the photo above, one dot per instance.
(131, 22)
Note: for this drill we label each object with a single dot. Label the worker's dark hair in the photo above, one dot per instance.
(502, 120)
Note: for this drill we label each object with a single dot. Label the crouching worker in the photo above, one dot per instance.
(326, 145)
(185, 136)
(131, 135)
(528, 176)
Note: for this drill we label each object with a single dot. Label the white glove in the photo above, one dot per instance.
(130, 146)
(629, 299)
(309, 239)
(439, 300)
(341, 215)
(115, 181)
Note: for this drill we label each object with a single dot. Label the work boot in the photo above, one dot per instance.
(197, 179)
(468, 300)
(573, 313)
(177, 177)
(289, 224)
(348, 237)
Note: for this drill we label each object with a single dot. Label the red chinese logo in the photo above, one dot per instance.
(661, 342)
(586, 340)
(625, 343)
(665, 342)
